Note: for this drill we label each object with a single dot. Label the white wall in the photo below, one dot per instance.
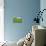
(1, 20)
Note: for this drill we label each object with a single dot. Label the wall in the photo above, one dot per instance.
(19, 8)
(1, 20)
(43, 6)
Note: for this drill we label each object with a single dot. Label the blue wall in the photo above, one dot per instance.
(19, 8)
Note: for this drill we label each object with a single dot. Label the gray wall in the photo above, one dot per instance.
(19, 8)
(43, 6)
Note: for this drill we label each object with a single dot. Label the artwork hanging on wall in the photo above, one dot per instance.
(17, 20)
